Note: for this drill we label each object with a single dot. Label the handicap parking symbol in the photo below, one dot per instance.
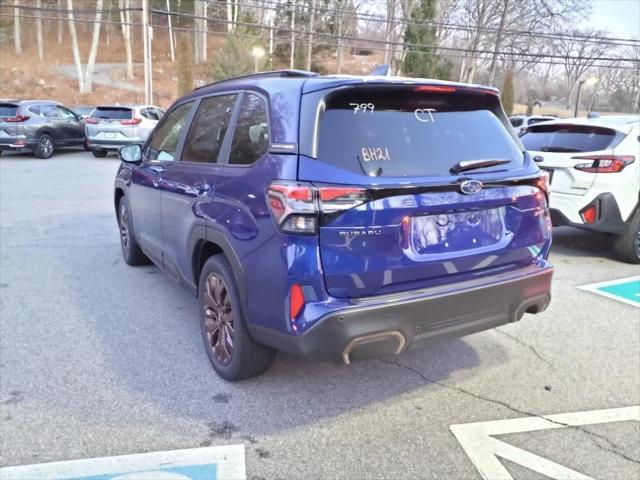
(625, 290)
(210, 463)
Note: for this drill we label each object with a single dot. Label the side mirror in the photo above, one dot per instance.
(130, 153)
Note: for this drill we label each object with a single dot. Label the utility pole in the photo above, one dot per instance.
(293, 34)
(496, 49)
(146, 39)
(310, 39)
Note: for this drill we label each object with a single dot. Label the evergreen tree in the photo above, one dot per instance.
(424, 61)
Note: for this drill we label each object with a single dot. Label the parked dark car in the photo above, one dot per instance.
(40, 126)
(338, 217)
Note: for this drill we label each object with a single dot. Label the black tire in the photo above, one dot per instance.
(628, 244)
(131, 251)
(45, 146)
(245, 358)
(99, 153)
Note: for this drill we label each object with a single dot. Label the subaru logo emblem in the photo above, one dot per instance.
(469, 187)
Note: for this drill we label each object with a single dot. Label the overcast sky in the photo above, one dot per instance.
(620, 17)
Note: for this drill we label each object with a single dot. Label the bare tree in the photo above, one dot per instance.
(85, 77)
(125, 23)
(60, 21)
(312, 16)
(39, 30)
(16, 28)
(580, 50)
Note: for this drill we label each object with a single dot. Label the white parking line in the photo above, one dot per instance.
(477, 441)
(209, 463)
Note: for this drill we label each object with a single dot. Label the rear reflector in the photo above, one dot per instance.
(604, 163)
(589, 214)
(296, 301)
(16, 119)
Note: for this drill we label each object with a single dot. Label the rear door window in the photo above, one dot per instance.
(412, 131)
(251, 134)
(208, 129)
(568, 138)
(112, 113)
(515, 122)
(49, 111)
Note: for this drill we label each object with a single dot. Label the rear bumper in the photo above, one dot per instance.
(16, 143)
(608, 217)
(111, 144)
(392, 324)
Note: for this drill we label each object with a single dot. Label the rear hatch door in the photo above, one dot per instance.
(559, 147)
(110, 123)
(412, 221)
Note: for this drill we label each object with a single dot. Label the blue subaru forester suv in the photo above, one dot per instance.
(338, 217)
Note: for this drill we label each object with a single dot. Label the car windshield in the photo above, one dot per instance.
(412, 131)
(568, 138)
(112, 113)
(8, 109)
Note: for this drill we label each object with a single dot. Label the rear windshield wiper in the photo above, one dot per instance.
(475, 164)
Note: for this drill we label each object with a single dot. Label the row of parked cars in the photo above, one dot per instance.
(44, 126)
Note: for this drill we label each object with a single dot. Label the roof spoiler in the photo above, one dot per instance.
(382, 71)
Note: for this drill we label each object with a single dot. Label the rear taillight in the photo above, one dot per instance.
(296, 206)
(92, 121)
(16, 119)
(542, 182)
(132, 121)
(604, 163)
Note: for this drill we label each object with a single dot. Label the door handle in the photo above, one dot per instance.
(202, 187)
(156, 168)
(538, 158)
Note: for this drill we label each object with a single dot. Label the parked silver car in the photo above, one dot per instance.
(110, 127)
(38, 125)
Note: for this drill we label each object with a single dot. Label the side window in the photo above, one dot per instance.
(143, 112)
(164, 143)
(49, 111)
(35, 109)
(208, 129)
(159, 112)
(64, 113)
(251, 134)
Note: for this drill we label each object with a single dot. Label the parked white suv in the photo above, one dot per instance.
(110, 127)
(594, 169)
(520, 122)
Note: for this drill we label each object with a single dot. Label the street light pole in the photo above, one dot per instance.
(575, 112)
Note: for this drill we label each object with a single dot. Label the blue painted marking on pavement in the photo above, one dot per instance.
(628, 290)
(188, 472)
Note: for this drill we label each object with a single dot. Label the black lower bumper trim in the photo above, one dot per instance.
(608, 217)
(390, 327)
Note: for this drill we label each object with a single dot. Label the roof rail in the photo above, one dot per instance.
(269, 74)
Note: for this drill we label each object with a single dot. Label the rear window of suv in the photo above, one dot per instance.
(568, 138)
(412, 131)
(8, 110)
(112, 113)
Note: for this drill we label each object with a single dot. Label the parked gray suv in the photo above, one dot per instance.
(38, 125)
(110, 127)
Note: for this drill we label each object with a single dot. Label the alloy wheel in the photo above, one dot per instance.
(46, 145)
(218, 319)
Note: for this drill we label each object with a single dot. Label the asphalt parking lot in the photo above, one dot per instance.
(100, 359)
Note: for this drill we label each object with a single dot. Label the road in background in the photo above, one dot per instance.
(100, 359)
